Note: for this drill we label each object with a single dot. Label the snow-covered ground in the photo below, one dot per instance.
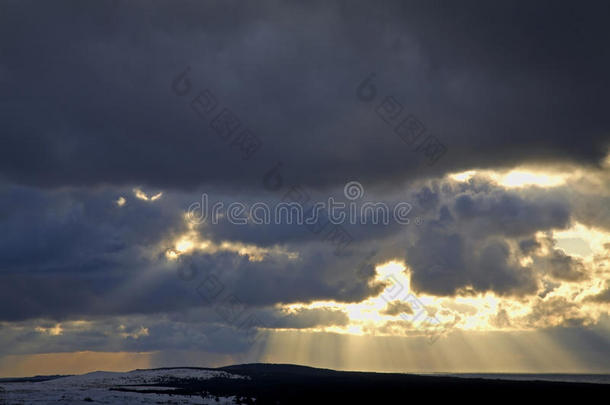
(96, 388)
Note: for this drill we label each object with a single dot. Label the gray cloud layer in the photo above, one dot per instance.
(87, 96)
(89, 111)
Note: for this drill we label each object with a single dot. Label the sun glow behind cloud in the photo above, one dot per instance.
(595, 239)
(518, 177)
(479, 340)
(193, 241)
(138, 193)
(371, 316)
(467, 317)
(480, 312)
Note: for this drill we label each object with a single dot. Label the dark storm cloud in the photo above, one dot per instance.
(558, 264)
(134, 333)
(279, 229)
(70, 253)
(73, 230)
(87, 98)
(89, 111)
(309, 318)
(316, 275)
(591, 203)
(114, 291)
(476, 232)
(190, 329)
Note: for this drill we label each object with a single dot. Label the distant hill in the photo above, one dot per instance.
(36, 378)
(281, 384)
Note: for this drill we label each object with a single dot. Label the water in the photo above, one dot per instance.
(581, 378)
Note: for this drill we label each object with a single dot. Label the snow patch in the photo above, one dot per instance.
(96, 388)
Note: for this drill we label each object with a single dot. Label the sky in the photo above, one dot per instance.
(483, 126)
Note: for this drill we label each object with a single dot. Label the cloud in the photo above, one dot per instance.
(565, 267)
(74, 253)
(304, 318)
(601, 297)
(475, 237)
(99, 109)
(398, 307)
(556, 311)
(103, 150)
